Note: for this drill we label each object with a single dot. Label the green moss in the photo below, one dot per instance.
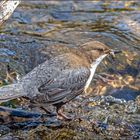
(64, 134)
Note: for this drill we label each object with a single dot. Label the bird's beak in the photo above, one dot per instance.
(114, 52)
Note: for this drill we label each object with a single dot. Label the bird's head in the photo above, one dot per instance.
(95, 49)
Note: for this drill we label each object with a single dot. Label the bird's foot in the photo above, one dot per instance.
(105, 78)
(48, 112)
(62, 116)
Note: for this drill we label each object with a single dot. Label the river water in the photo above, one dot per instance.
(37, 24)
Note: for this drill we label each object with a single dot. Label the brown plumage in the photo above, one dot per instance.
(59, 79)
(95, 46)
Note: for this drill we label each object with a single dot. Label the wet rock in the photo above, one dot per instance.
(37, 24)
(41, 132)
(131, 107)
(138, 100)
(112, 100)
(124, 93)
(106, 100)
(4, 130)
(108, 129)
(10, 137)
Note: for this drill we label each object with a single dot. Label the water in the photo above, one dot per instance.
(36, 25)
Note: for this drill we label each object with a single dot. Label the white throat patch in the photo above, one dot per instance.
(93, 68)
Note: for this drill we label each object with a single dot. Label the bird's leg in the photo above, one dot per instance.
(35, 104)
(60, 114)
(105, 77)
(48, 111)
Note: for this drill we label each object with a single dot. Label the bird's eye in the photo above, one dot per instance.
(100, 49)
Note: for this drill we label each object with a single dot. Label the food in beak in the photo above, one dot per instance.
(114, 52)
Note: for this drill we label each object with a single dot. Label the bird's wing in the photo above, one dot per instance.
(65, 86)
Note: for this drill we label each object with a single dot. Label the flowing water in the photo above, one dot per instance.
(36, 25)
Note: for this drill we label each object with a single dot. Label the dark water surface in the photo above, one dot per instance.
(36, 25)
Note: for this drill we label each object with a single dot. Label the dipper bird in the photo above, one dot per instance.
(59, 79)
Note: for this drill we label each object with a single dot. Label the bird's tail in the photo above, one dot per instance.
(10, 92)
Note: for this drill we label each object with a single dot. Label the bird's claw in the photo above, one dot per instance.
(62, 116)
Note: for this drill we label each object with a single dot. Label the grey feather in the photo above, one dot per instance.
(51, 81)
